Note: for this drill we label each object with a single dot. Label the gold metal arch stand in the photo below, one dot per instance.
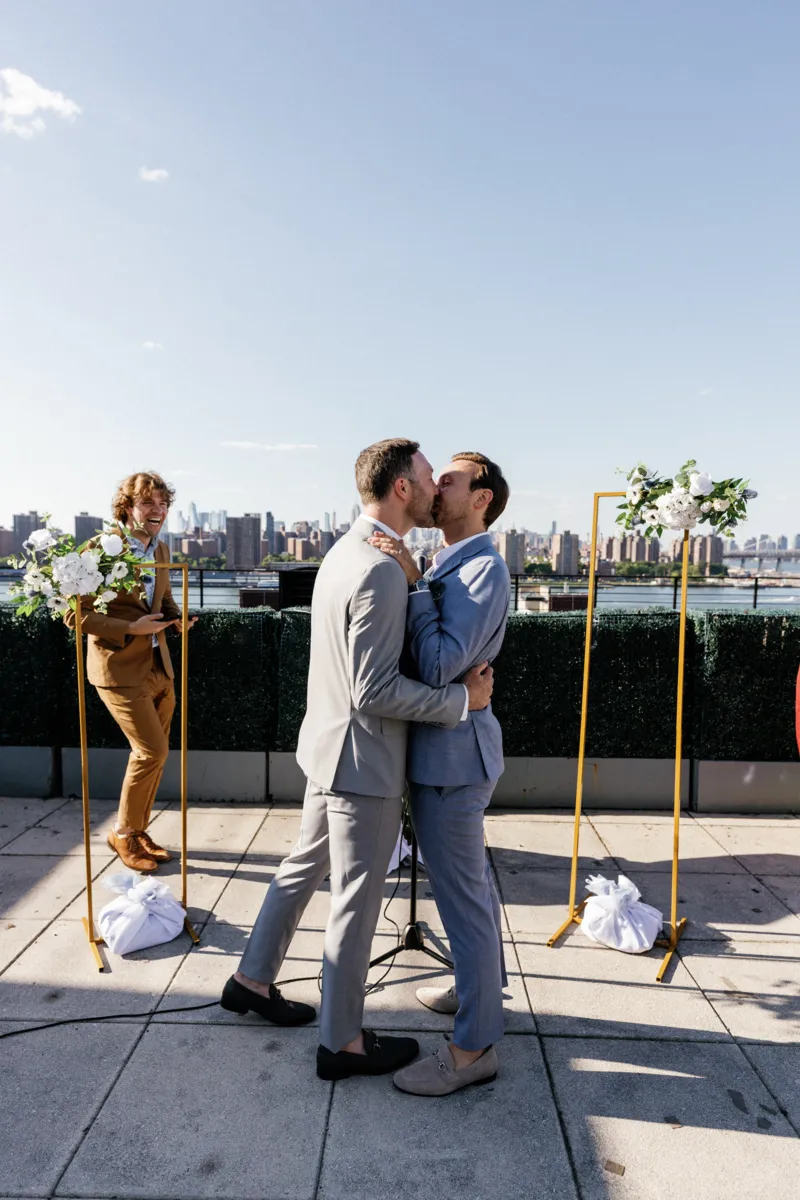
(677, 925)
(88, 921)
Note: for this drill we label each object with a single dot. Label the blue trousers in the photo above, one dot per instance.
(448, 822)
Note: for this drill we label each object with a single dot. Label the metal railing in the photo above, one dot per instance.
(212, 588)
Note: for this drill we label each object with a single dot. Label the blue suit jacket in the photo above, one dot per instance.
(460, 622)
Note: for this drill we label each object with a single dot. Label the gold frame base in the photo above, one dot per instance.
(573, 919)
(94, 941)
(187, 925)
(671, 946)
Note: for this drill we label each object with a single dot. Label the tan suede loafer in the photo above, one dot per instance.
(436, 1075)
(132, 852)
(155, 851)
(441, 1000)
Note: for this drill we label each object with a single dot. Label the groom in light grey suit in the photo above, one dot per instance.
(456, 617)
(352, 748)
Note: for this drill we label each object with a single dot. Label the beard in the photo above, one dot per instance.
(422, 508)
(445, 514)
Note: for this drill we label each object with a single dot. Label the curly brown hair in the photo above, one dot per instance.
(139, 487)
(488, 476)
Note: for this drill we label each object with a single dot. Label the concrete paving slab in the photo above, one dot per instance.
(394, 1004)
(714, 820)
(500, 1140)
(648, 1121)
(41, 886)
(721, 907)
(56, 977)
(648, 847)
(753, 987)
(203, 973)
(19, 813)
(585, 990)
(216, 830)
(786, 888)
(779, 1067)
(536, 901)
(642, 817)
(541, 816)
(16, 935)
(62, 832)
(524, 846)
(762, 849)
(51, 1086)
(222, 1113)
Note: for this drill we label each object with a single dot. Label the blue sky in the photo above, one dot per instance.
(565, 235)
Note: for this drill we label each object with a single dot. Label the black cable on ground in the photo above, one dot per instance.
(158, 1012)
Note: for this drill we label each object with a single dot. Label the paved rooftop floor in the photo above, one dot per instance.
(610, 1085)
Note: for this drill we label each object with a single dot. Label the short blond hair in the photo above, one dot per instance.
(139, 487)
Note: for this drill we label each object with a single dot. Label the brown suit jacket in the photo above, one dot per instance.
(116, 658)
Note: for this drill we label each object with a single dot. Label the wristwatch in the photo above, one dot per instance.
(421, 585)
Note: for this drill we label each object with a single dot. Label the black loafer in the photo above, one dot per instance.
(383, 1056)
(239, 999)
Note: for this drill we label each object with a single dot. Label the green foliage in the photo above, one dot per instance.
(538, 568)
(295, 653)
(32, 670)
(249, 667)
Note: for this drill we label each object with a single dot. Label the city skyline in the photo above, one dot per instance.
(243, 283)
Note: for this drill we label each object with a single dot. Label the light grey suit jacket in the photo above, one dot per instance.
(458, 623)
(355, 732)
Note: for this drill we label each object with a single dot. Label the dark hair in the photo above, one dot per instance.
(139, 487)
(488, 476)
(381, 464)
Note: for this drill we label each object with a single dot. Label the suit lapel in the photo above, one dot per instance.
(459, 556)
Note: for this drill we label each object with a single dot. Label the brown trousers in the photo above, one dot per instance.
(144, 714)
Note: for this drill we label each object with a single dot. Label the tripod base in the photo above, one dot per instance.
(413, 939)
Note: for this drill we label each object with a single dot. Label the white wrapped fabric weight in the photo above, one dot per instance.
(145, 913)
(615, 917)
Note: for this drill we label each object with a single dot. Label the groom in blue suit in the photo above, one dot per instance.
(456, 620)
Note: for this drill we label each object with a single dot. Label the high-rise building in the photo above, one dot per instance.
(783, 542)
(269, 530)
(565, 553)
(302, 528)
(194, 516)
(326, 539)
(553, 529)
(333, 522)
(7, 545)
(512, 551)
(244, 542)
(24, 525)
(326, 522)
(86, 527)
(705, 550)
(355, 513)
(797, 541)
(653, 550)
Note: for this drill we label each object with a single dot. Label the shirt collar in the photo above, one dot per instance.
(138, 547)
(441, 557)
(385, 528)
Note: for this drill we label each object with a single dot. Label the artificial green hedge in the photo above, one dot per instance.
(248, 672)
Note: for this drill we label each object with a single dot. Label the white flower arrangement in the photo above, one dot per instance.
(57, 572)
(691, 498)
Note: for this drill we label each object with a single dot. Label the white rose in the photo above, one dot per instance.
(700, 484)
(107, 597)
(41, 539)
(665, 501)
(112, 544)
(706, 508)
(46, 588)
(721, 505)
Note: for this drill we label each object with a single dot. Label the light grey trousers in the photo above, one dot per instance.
(352, 837)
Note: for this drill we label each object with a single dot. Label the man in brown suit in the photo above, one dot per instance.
(129, 663)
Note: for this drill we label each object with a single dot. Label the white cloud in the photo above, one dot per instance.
(153, 175)
(269, 446)
(22, 99)
(152, 346)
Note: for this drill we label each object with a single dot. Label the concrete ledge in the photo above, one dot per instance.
(748, 787)
(26, 771)
(607, 783)
(286, 780)
(238, 775)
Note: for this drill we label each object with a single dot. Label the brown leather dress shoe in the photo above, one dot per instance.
(132, 851)
(156, 852)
